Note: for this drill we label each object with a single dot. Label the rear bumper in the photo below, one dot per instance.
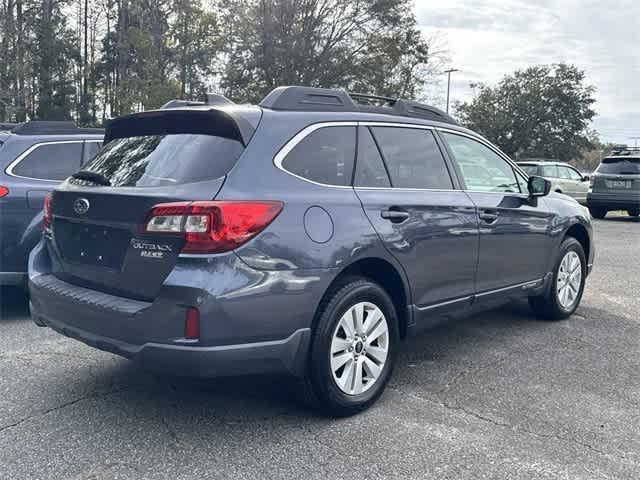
(614, 202)
(250, 321)
(279, 356)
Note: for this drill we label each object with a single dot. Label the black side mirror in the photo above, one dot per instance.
(539, 187)
(586, 178)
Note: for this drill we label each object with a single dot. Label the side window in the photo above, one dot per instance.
(564, 172)
(574, 175)
(90, 150)
(370, 170)
(324, 156)
(550, 171)
(413, 158)
(53, 161)
(483, 170)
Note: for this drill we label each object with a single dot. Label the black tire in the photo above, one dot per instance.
(547, 306)
(634, 212)
(319, 388)
(598, 212)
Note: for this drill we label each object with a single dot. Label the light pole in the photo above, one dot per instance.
(635, 141)
(449, 72)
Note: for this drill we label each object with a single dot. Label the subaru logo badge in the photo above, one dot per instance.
(81, 206)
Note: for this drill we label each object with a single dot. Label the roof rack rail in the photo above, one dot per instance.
(624, 150)
(207, 99)
(46, 127)
(297, 98)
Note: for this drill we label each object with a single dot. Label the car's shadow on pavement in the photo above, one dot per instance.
(429, 359)
(14, 302)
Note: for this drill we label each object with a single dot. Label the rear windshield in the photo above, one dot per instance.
(160, 160)
(620, 166)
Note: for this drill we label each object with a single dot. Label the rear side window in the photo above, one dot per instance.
(51, 161)
(620, 166)
(550, 171)
(161, 160)
(370, 171)
(325, 156)
(413, 158)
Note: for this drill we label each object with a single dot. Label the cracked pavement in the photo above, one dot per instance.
(500, 395)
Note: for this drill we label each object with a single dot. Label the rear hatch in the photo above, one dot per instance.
(98, 216)
(618, 175)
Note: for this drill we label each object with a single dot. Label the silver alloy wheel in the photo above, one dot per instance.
(359, 348)
(569, 280)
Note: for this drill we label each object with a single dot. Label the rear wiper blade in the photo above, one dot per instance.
(92, 177)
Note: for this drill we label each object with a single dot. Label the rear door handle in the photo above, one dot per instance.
(395, 216)
(488, 216)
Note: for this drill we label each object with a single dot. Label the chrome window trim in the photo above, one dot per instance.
(297, 138)
(28, 151)
(302, 134)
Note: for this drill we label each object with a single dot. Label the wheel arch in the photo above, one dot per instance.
(580, 233)
(385, 274)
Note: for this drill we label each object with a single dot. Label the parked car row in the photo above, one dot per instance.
(34, 158)
(306, 235)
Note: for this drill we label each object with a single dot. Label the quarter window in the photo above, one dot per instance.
(52, 161)
(482, 169)
(413, 158)
(324, 156)
(370, 170)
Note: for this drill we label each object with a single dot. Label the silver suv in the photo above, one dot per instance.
(616, 184)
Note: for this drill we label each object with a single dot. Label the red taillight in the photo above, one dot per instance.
(192, 324)
(212, 226)
(4, 191)
(46, 215)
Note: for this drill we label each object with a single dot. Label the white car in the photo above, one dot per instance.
(564, 178)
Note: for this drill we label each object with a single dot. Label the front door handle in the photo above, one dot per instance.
(395, 216)
(488, 216)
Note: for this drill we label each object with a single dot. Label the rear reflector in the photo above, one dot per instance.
(212, 226)
(192, 324)
(46, 215)
(4, 191)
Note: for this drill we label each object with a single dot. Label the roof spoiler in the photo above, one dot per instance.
(208, 99)
(218, 122)
(297, 98)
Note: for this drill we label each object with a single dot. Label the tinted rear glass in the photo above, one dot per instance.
(620, 166)
(160, 160)
(53, 161)
(324, 156)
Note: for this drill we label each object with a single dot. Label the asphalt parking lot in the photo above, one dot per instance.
(500, 395)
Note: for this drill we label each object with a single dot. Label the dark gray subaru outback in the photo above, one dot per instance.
(307, 235)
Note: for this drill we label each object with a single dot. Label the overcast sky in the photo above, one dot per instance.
(489, 38)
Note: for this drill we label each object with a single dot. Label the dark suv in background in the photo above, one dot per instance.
(309, 235)
(34, 158)
(615, 185)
